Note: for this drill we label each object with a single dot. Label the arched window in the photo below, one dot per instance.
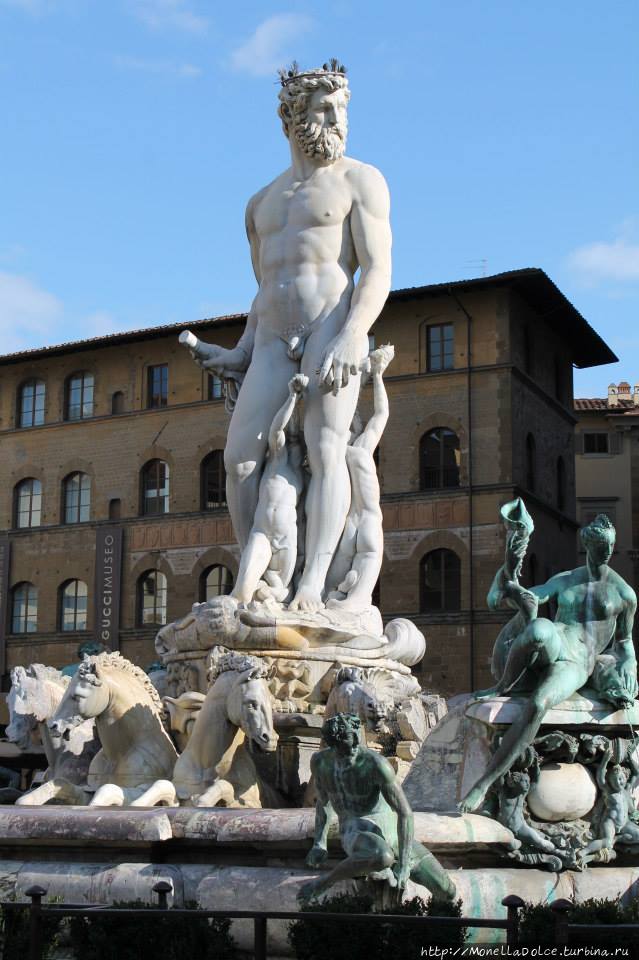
(531, 462)
(24, 608)
(440, 582)
(439, 459)
(216, 581)
(215, 389)
(155, 488)
(561, 484)
(77, 498)
(73, 605)
(31, 403)
(151, 598)
(117, 402)
(213, 481)
(79, 396)
(28, 503)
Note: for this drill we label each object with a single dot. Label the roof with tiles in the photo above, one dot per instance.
(622, 407)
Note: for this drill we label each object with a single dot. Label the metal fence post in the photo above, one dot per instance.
(259, 938)
(562, 933)
(35, 921)
(163, 888)
(513, 905)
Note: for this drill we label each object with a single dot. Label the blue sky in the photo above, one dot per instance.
(134, 131)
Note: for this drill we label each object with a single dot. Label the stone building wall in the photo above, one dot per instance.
(112, 449)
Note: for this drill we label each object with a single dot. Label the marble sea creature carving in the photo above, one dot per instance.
(548, 660)
(135, 748)
(35, 695)
(353, 694)
(375, 818)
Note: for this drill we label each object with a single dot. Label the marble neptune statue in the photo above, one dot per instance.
(310, 230)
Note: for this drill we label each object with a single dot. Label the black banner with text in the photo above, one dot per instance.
(108, 578)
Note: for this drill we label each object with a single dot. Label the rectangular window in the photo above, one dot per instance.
(440, 346)
(596, 443)
(158, 385)
(79, 396)
(214, 387)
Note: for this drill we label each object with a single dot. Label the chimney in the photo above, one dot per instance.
(623, 391)
(613, 400)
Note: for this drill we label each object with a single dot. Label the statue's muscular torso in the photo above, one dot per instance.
(302, 248)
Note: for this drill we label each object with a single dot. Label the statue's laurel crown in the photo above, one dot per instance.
(293, 73)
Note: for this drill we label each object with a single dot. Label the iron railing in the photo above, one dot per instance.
(38, 912)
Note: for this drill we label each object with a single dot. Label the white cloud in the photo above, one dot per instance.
(269, 46)
(602, 260)
(169, 15)
(187, 71)
(31, 317)
(27, 313)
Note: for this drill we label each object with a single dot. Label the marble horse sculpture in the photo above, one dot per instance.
(135, 748)
(35, 695)
(232, 728)
(549, 660)
(375, 818)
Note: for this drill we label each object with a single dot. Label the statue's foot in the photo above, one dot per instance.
(307, 600)
(310, 890)
(386, 876)
(472, 801)
(487, 693)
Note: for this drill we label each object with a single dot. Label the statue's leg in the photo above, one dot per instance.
(109, 795)
(57, 789)
(367, 561)
(327, 419)
(429, 872)
(264, 390)
(538, 645)
(219, 792)
(160, 792)
(561, 680)
(255, 560)
(369, 853)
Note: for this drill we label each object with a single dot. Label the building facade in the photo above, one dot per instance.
(112, 506)
(607, 470)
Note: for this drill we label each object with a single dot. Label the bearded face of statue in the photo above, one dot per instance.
(321, 131)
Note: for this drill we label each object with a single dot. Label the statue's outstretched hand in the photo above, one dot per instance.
(220, 359)
(316, 856)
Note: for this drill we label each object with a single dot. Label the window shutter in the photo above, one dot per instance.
(579, 442)
(616, 442)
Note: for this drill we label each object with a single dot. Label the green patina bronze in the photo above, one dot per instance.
(590, 639)
(375, 818)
